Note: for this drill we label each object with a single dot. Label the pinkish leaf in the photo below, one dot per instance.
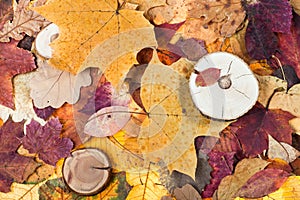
(208, 77)
(107, 121)
(263, 183)
(44, 113)
(46, 141)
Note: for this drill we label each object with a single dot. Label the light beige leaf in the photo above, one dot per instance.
(287, 101)
(296, 5)
(187, 192)
(281, 150)
(25, 21)
(231, 184)
(53, 87)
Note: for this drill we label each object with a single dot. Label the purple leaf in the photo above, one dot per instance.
(261, 42)
(275, 14)
(222, 165)
(101, 99)
(10, 135)
(46, 141)
(13, 167)
(263, 183)
(44, 113)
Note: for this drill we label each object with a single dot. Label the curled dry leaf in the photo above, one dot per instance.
(53, 87)
(282, 150)
(287, 101)
(24, 21)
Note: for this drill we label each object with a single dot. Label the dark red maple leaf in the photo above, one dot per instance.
(13, 167)
(289, 45)
(46, 141)
(253, 128)
(13, 61)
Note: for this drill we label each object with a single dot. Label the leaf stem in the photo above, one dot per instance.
(281, 68)
(280, 89)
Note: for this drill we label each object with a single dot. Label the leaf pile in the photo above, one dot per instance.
(118, 80)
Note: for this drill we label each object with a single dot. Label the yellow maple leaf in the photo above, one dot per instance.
(85, 24)
(146, 185)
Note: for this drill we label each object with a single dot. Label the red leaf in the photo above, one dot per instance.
(208, 77)
(253, 128)
(261, 42)
(276, 14)
(167, 57)
(263, 183)
(13, 61)
(222, 164)
(46, 141)
(10, 135)
(289, 45)
(13, 167)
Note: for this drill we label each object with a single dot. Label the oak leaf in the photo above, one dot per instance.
(24, 21)
(79, 34)
(215, 18)
(46, 141)
(6, 12)
(53, 87)
(13, 61)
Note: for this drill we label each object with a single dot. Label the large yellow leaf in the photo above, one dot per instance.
(85, 24)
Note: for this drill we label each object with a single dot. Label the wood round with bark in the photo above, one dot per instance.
(87, 171)
(223, 86)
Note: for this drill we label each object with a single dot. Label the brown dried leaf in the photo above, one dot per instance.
(204, 20)
(25, 21)
(231, 184)
(187, 192)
